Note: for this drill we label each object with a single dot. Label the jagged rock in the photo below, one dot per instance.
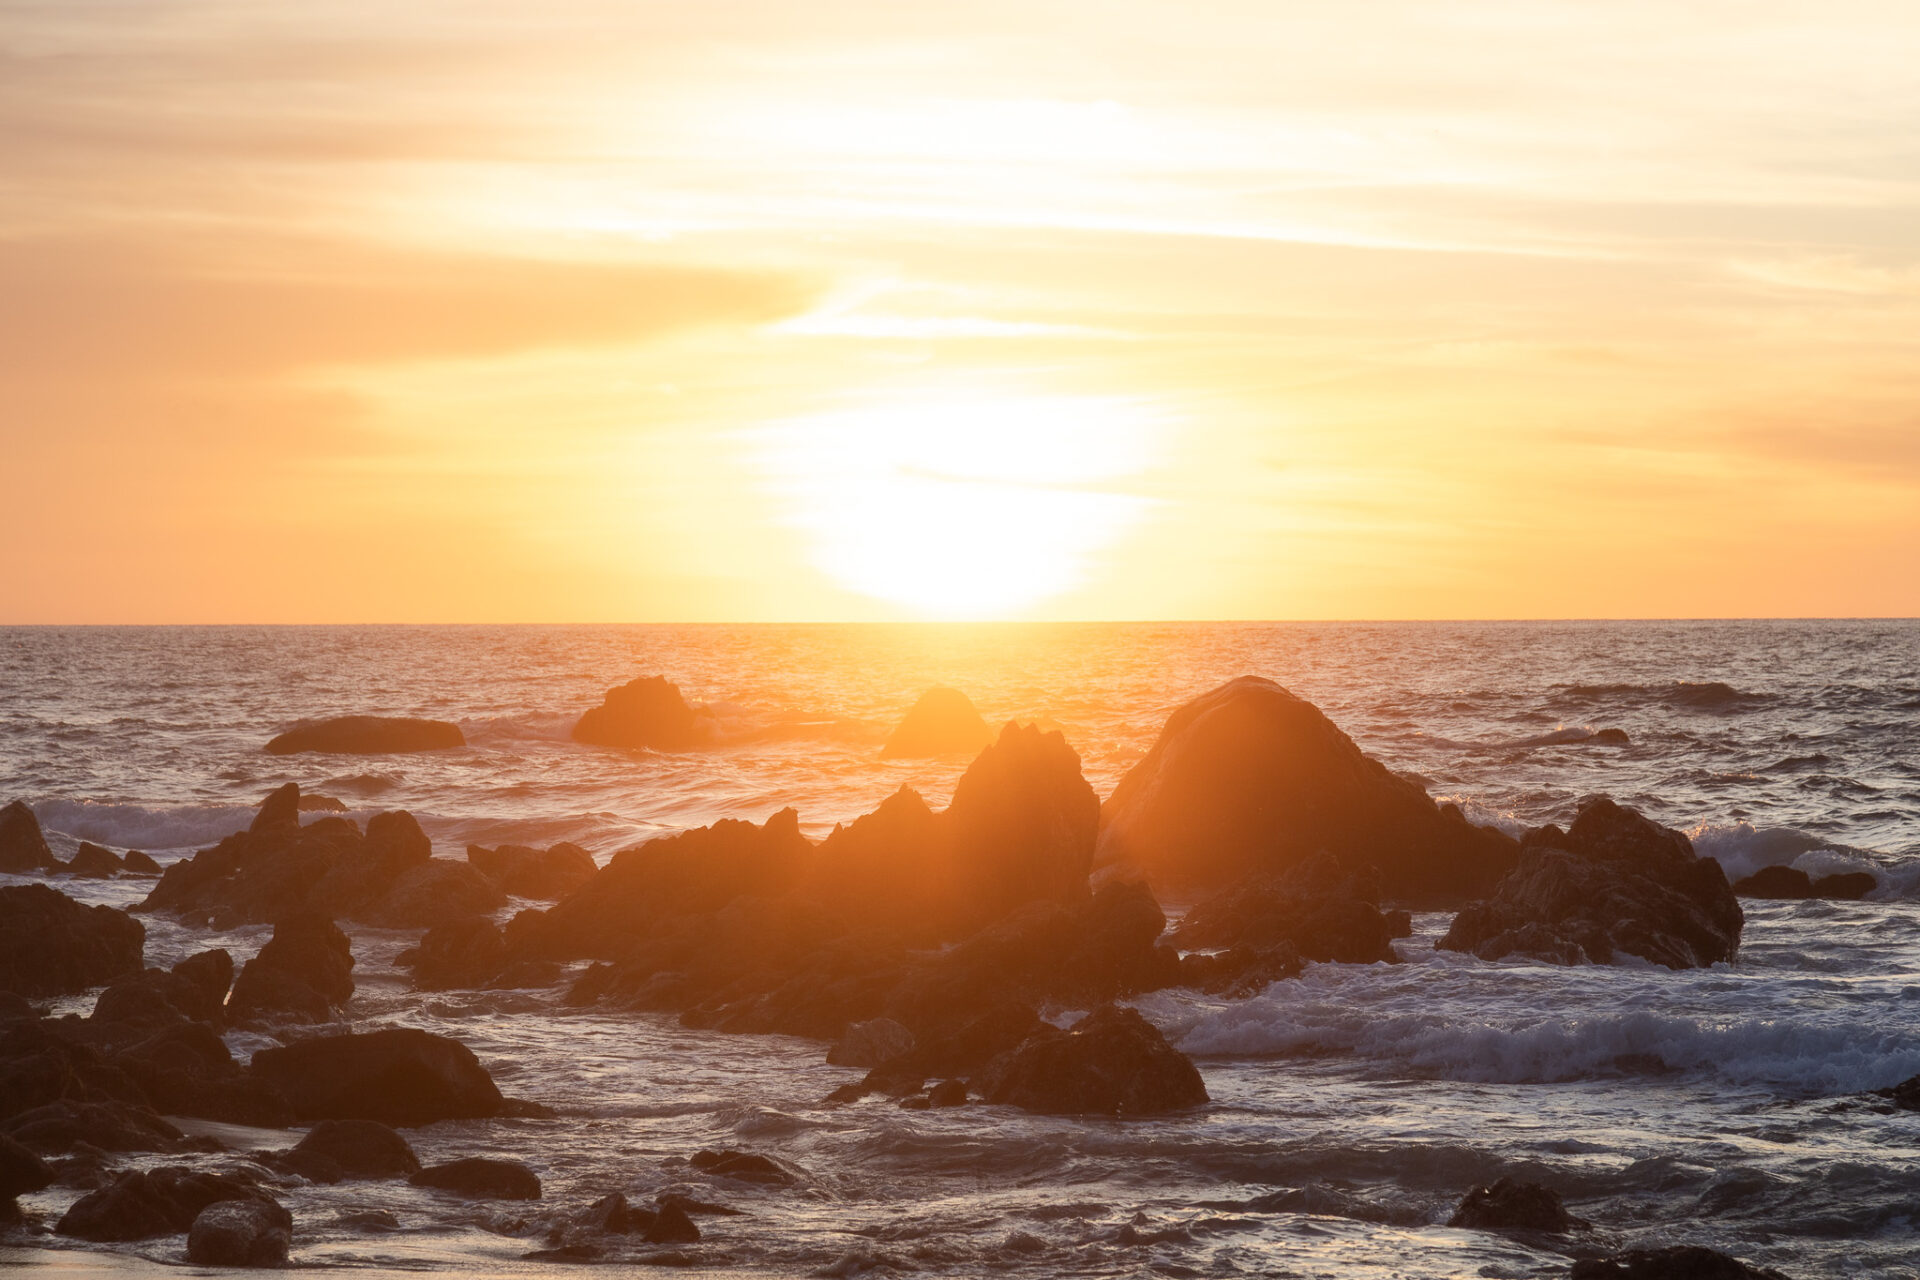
(870, 1043)
(351, 1149)
(1250, 779)
(533, 873)
(748, 1166)
(400, 1076)
(303, 974)
(51, 945)
(1112, 1062)
(942, 722)
(367, 735)
(139, 864)
(23, 849)
(144, 1203)
(1613, 883)
(647, 712)
(1516, 1206)
(481, 1178)
(666, 1224)
(1317, 910)
(240, 1233)
(1023, 822)
(1677, 1262)
(92, 862)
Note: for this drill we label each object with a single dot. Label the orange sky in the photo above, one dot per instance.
(589, 311)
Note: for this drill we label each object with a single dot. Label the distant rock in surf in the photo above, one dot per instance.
(400, 1076)
(367, 735)
(942, 722)
(51, 945)
(1249, 779)
(1791, 882)
(1509, 1205)
(1112, 1062)
(1614, 883)
(481, 1178)
(1676, 1262)
(647, 712)
(23, 849)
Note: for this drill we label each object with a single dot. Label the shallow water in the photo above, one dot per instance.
(1352, 1108)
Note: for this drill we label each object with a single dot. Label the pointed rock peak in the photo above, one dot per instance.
(942, 722)
(281, 809)
(22, 846)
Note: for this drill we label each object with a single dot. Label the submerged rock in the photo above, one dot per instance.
(1677, 1262)
(1250, 779)
(400, 1076)
(240, 1233)
(1112, 1062)
(51, 945)
(481, 1178)
(367, 735)
(23, 849)
(647, 712)
(143, 1203)
(748, 1166)
(1614, 883)
(1508, 1205)
(942, 722)
(303, 974)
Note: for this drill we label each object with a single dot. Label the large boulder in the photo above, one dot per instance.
(303, 974)
(342, 1149)
(645, 713)
(870, 1043)
(23, 849)
(51, 945)
(240, 1233)
(943, 722)
(524, 872)
(400, 1076)
(1023, 823)
(367, 735)
(1250, 779)
(1613, 884)
(1112, 1062)
(143, 1203)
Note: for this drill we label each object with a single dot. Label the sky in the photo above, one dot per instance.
(749, 310)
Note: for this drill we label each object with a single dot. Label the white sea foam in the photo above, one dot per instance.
(157, 828)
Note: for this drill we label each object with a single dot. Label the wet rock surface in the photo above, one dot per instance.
(143, 1203)
(303, 974)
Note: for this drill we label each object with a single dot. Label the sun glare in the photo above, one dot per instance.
(962, 508)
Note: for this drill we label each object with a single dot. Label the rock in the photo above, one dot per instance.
(210, 975)
(94, 863)
(144, 1203)
(1609, 738)
(1023, 822)
(1318, 910)
(948, 1093)
(1517, 1206)
(139, 864)
(157, 998)
(433, 893)
(1775, 882)
(577, 1253)
(321, 804)
(1112, 1062)
(367, 735)
(868, 1044)
(1250, 779)
(645, 713)
(466, 953)
(1846, 886)
(21, 1171)
(1677, 1262)
(51, 945)
(482, 1179)
(280, 811)
(942, 722)
(532, 873)
(748, 1166)
(240, 1233)
(671, 1225)
(60, 1126)
(1613, 883)
(23, 849)
(358, 1148)
(667, 1224)
(400, 1076)
(303, 974)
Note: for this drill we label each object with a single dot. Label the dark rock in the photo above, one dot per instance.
(1614, 883)
(23, 849)
(645, 713)
(303, 974)
(671, 1225)
(1249, 779)
(51, 945)
(139, 864)
(1847, 886)
(156, 998)
(150, 1202)
(582, 1253)
(1112, 1062)
(948, 1093)
(1023, 822)
(942, 722)
(1677, 1262)
(868, 1044)
(185, 1068)
(367, 735)
(359, 1149)
(240, 1233)
(55, 1127)
(280, 811)
(482, 1179)
(210, 973)
(467, 953)
(532, 873)
(1775, 882)
(1517, 1206)
(311, 803)
(435, 892)
(21, 1171)
(1319, 909)
(400, 1076)
(95, 863)
(748, 1166)
(1609, 738)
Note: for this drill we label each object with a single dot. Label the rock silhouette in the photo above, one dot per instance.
(942, 722)
(1508, 1205)
(51, 945)
(1112, 1062)
(367, 735)
(400, 1077)
(647, 712)
(23, 849)
(303, 974)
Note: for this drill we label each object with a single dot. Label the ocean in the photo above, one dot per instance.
(1352, 1107)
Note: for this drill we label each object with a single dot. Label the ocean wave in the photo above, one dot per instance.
(536, 726)
(154, 829)
(1742, 849)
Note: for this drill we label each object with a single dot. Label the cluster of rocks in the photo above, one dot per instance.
(24, 851)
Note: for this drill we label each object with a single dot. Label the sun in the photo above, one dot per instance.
(962, 508)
